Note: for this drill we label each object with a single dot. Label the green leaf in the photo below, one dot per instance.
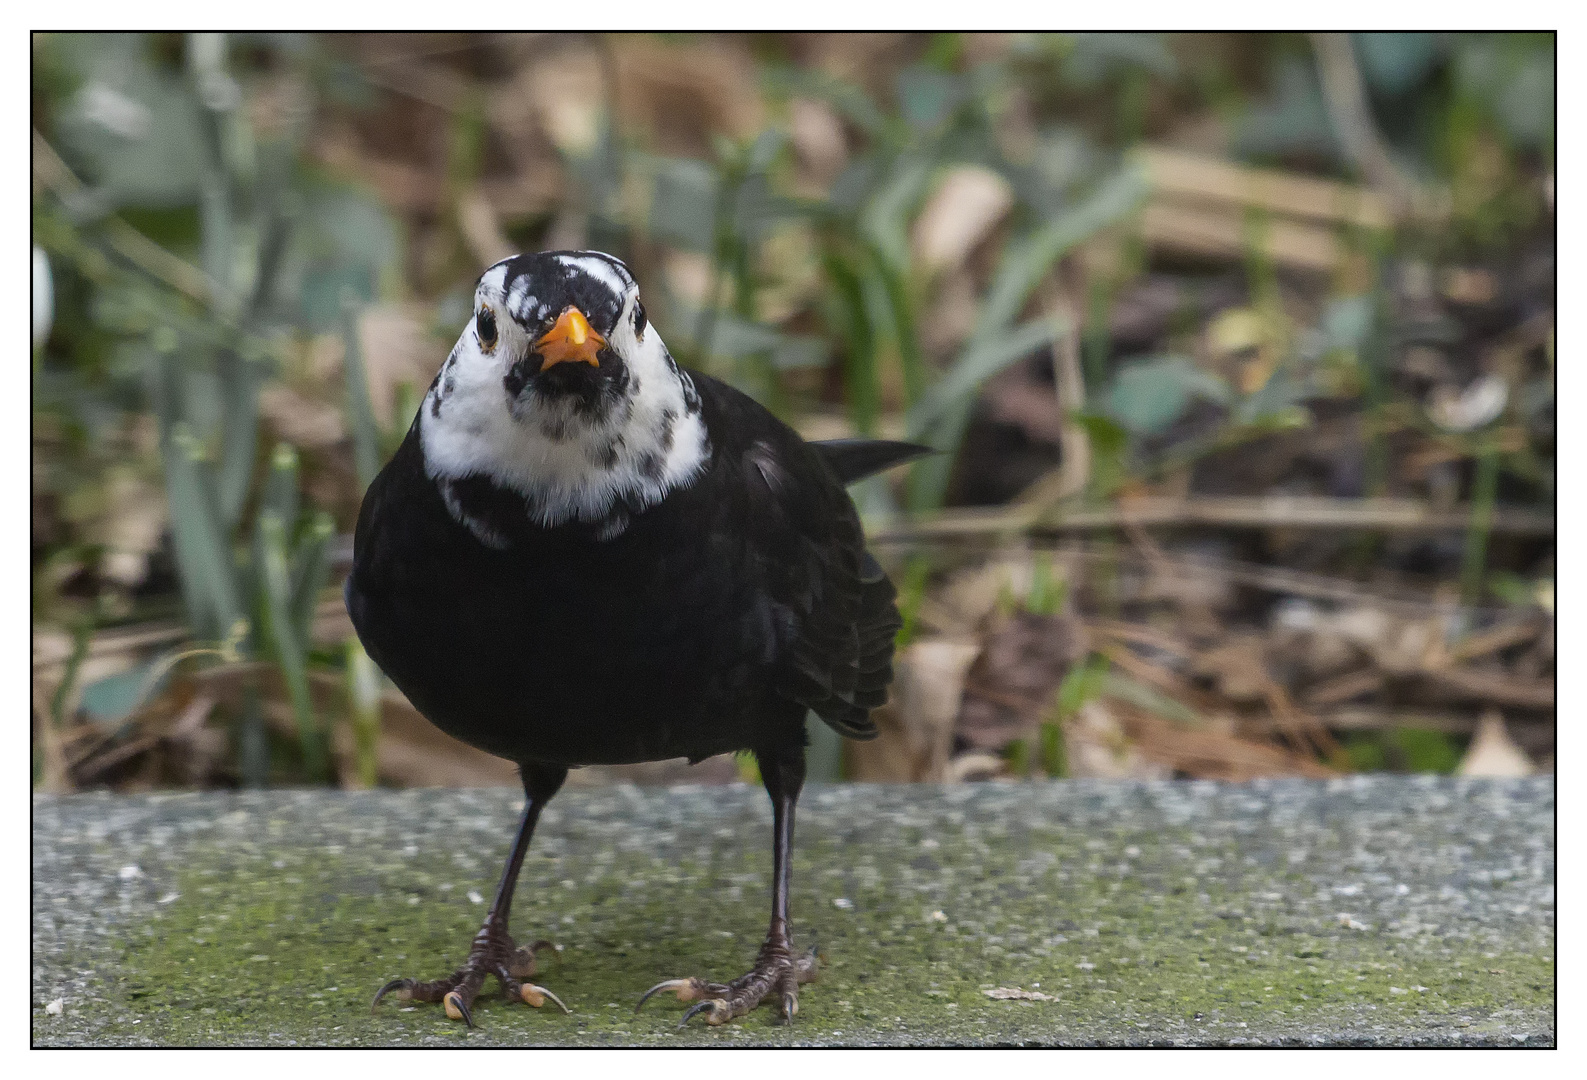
(1110, 445)
(926, 96)
(288, 647)
(1395, 62)
(1128, 688)
(848, 319)
(928, 477)
(197, 532)
(980, 360)
(1046, 596)
(184, 497)
(767, 145)
(239, 384)
(363, 699)
(311, 568)
(1081, 683)
(683, 204)
(1031, 258)
(346, 243)
(905, 329)
(1054, 752)
(884, 220)
(115, 697)
(1094, 56)
(1277, 403)
(281, 486)
(1347, 321)
(740, 339)
(132, 130)
(1423, 751)
(360, 413)
(1148, 396)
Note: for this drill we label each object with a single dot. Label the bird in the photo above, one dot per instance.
(584, 553)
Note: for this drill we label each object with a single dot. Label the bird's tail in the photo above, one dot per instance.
(855, 459)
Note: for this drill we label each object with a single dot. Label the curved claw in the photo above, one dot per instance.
(535, 996)
(402, 985)
(525, 958)
(687, 989)
(544, 944)
(457, 1008)
(719, 1013)
(790, 1006)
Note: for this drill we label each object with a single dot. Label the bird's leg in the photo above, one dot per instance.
(494, 952)
(777, 971)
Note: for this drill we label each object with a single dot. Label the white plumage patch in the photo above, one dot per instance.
(568, 464)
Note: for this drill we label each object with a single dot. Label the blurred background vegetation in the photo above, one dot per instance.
(1240, 348)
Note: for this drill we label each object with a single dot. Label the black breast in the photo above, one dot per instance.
(729, 606)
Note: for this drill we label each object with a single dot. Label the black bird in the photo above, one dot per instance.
(584, 554)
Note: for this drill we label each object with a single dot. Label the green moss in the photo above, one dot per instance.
(291, 948)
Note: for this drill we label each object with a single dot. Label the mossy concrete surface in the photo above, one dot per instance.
(1366, 911)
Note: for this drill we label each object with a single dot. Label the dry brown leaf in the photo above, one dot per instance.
(1344, 687)
(1493, 687)
(1209, 754)
(684, 92)
(301, 420)
(966, 206)
(1097, 746)
(974, 766)
(1238, 669)
(916, 726)
(396, 349)
(481, 227)
(819, 142)
(1493, 753)
(1023, 660)
(1014, 993)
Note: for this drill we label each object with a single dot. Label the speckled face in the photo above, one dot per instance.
(558, 390)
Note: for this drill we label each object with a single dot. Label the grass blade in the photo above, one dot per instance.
(276, 586)
(240, 436)
(360, 413)
(311, 567)
(194, 520)
(1030, 259)
(980, 360)
(363, 699)
(281, 486)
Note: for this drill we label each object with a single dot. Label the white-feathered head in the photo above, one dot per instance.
(558, 390)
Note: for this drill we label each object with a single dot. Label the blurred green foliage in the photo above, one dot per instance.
(240, 249)
(195, 246)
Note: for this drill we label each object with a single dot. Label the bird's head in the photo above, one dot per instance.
(561, 330)
(558, 389)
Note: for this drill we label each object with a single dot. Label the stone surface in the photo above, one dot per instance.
(1376, 911)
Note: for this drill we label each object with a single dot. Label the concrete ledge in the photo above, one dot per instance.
(1367, 911)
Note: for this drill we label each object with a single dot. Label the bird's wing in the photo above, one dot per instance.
(831, 600)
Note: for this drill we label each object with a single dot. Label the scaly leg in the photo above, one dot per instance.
(777, 969)
(494, 952)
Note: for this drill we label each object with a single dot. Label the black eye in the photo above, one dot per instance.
(639, 320)
(485, 325)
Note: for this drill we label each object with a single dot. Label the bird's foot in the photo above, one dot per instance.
(777, 974)
(494, 953)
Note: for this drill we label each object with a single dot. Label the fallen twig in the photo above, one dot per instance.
(1198, 179)
(1213, 754)
(1494, 688)
(1255, 512)
(1367, 718)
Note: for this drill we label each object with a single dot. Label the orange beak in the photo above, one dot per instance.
(572, 339)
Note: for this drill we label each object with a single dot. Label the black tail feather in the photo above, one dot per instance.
(855, 459)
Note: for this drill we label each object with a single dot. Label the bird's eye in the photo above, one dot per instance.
(639, 320)
(485, 326)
